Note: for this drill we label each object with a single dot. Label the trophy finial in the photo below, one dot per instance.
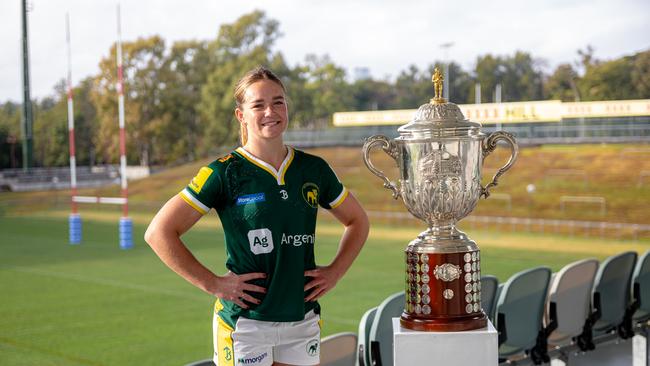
(437, 80)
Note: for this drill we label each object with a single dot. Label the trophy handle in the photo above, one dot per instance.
(389, 148)
(488, 148)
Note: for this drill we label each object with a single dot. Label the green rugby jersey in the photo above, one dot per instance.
(269, 221)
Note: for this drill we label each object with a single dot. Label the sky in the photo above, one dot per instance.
(383, 36)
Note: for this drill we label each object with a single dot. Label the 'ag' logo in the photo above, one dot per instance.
(312, 347)
(261, 241)
(310, 194)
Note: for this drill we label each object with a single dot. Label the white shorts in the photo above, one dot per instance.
(260, 343)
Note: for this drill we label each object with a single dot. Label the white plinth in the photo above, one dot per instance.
(473, 347)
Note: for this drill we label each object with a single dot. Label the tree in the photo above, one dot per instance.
(177, 134)
(608, 81)
(10, 151)
(412, 88)
(143, 88)
(51, 129)
(562, 84)
(369, 94)
(520, 77)
(326, 85)
(239, 47)
(641, 74)
(489, 72)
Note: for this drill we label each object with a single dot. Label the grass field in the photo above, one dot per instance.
(94, 304)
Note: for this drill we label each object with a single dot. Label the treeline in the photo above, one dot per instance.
(179, 103)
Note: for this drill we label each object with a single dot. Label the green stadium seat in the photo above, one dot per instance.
(637, 314)
(641, 289)
(489, 287)
(520, 309)
(363, 339)
(610, 301)
(338, 349)
(381, 331)
(613, 284)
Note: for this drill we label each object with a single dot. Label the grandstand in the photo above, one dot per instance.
(533, 123)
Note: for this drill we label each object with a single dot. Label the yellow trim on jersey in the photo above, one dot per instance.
(225, 348)
(278, 175)
(199, 180)
(187, 197)
(285, 165)
(337, 202)
(217, 306)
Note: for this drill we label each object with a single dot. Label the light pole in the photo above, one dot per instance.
(27, 117)
(446, 47)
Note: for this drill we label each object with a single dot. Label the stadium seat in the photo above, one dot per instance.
(363, 340)
(338, 349)
(613, 284)
(489, 287)
(610, 299)
(568, 306)
(638, 313)
(570, 291)
(642, 282)
(493, 315)
(520, 309)
(206, 362)
(381, 331)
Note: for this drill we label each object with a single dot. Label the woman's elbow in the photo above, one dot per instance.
(150, 235)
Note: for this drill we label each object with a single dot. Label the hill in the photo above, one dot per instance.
(619, 174)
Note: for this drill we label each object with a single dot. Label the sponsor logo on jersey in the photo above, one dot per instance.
(312, 347)
(310, 194)
(251, 198)
(252, 360)
(225, 158)
(261, 241)
(283, 194)
(199, 180)
(298, 239)
(227, 353)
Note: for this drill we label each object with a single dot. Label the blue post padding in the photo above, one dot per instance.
(126, 233)
(74, 224)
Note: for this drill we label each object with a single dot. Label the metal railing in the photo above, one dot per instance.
(599, 130)
(569, 227)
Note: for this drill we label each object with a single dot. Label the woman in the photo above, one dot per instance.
(267, 196)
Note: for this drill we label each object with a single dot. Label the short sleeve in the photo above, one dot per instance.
(203, 190)
(333, 193)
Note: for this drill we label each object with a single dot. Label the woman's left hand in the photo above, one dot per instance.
(323, 279)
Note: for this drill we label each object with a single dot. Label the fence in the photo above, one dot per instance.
(566, 227)
(522, 224)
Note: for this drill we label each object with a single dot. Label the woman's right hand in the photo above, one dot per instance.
(233, 287)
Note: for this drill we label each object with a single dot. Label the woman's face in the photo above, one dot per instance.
(264, 110)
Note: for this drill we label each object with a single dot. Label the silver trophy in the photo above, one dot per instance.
(440, 155)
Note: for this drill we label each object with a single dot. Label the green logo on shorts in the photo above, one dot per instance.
(227, 353)
(312, 347)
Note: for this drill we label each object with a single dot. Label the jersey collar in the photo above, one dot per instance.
(277, 174)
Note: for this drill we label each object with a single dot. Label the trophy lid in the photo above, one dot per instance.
(438, 118)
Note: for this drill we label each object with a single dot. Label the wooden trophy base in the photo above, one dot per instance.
(444, 324)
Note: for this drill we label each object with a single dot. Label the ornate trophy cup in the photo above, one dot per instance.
(439, 155)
